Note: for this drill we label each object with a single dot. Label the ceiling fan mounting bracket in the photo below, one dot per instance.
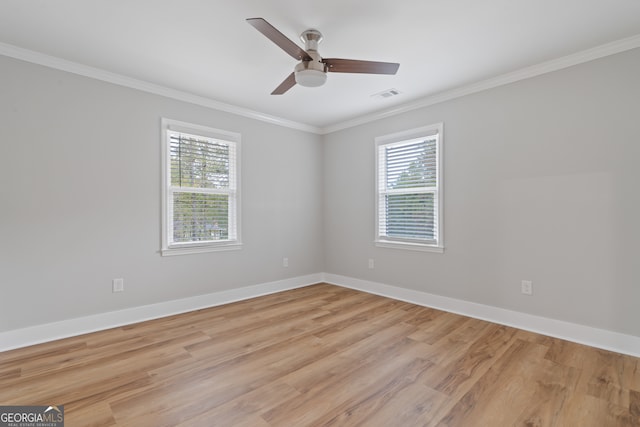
(311, 38)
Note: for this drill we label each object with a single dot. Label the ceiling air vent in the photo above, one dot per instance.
(386, 94)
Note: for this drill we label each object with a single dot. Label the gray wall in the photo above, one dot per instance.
(80, 199)
(541, 183)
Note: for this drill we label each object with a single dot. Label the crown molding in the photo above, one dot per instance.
(121, 80)
(504, 79)
(597, 52)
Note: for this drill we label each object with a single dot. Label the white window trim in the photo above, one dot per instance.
(412, 134)
(196, 247)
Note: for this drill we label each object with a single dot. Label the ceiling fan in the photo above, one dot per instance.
(312, 69)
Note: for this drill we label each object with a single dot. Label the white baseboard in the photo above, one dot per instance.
(594, 337)
(72, 327)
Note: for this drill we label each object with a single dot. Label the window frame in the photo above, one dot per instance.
(168, 247)
(406, 137)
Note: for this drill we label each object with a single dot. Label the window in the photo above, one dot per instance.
(409, 189)
(201, 200)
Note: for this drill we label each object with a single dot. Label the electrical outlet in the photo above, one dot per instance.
(285, 262)
(118, 285)
(527, 287)
(371, 263)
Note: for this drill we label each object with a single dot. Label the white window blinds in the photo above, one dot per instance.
(408, 189)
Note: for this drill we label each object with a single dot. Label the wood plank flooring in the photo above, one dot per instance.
(323, 356)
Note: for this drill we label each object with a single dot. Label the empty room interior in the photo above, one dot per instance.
(301, 213)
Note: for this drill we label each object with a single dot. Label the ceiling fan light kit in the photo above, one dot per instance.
(309, 77)
(312, 69)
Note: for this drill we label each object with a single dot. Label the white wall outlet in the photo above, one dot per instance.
(118, 285)
(285, 262)
(527, 287)
(372, 263)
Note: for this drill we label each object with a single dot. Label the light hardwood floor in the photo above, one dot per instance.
(323, 356)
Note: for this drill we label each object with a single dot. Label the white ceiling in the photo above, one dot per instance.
(205, 47)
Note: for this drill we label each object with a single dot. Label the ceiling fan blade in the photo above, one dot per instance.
(287, 84)
(337, 65)
(279, 39)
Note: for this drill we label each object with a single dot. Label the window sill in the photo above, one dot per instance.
(409, 246)
(194, 249)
